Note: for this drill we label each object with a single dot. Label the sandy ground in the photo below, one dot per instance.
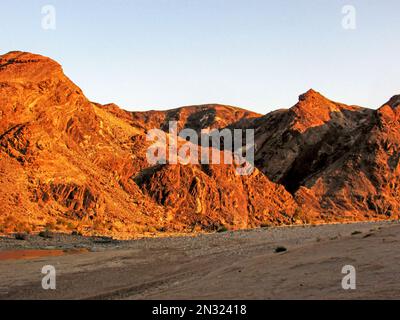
(230, 265)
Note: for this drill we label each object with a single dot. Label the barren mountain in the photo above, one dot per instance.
(340, 162)
(362, 182)
(70, 164)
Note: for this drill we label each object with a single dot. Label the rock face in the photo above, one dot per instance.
(209, 116)
(339, 162)
(69, 164)
(363, 181)
(208, 197)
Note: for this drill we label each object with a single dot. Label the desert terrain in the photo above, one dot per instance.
(227, 265)
(78, 193)
(68, 164)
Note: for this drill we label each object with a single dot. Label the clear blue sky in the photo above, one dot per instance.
(258, 54)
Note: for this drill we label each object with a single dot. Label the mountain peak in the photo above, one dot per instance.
(313, 109)
(21, 57)
(314, 103)
(17, 66)
(311, 95)
(394, 101)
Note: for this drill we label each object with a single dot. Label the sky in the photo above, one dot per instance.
(256, 54)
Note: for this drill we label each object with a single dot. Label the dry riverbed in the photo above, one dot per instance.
(229, 265)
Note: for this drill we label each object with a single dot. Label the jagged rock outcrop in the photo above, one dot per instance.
(363, 182)
(294, 144)
(208, 116)
(211, 196)
(338, 161)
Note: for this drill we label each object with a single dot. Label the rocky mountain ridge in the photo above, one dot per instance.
(69, 164)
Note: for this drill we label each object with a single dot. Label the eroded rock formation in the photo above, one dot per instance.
(69, 164)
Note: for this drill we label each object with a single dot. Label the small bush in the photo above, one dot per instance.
(46, 234)
(368, 235)
(162, 229)
(280, 249)
(21, 236)
(222, 229)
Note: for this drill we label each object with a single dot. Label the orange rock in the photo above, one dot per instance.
(69, 164)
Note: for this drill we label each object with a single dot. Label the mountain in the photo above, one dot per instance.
(69, 164)
(362, 182)
(340, 162)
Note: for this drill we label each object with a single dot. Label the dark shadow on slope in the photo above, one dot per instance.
(319, 146)
(336, 142)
